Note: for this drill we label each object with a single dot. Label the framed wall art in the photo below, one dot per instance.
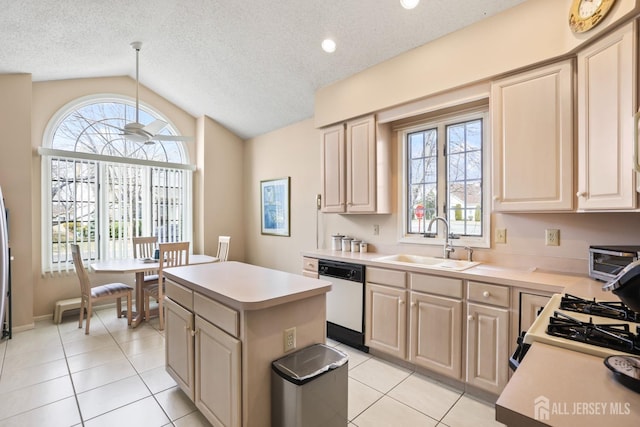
(275, 206)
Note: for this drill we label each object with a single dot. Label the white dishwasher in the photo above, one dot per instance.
(345, 302)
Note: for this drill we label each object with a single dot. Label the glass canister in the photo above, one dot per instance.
(355, 245)
(336, 241)
(346, 244)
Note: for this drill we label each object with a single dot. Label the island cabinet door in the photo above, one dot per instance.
(218, 375)
(179, 346)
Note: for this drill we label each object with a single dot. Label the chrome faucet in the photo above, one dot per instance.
(447, 249)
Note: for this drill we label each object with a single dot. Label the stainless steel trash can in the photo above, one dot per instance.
(309, 388)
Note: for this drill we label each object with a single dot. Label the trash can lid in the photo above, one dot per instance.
(308, 363)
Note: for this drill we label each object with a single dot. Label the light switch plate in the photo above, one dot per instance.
(501, 235)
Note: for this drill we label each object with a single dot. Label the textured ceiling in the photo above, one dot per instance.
(251, 65)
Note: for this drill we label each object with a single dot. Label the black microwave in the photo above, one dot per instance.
(605, 262)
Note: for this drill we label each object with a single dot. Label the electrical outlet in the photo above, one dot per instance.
(376, 229)
(552, 237)
(501, 235)
(289, 339)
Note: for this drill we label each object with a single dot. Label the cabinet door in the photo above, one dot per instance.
(179, 346)
(487, 347)
(606, 76)
(333, 169)
(218, 375)
(530, 305)
(436, 333)
(532, 119)
(361, 165)
(386, 319)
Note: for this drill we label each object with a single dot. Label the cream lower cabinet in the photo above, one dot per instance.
(487, 336)
(386, 311)
(436, 333)
(202, 358)
(179, 346)
(386, 326)
(217, 374)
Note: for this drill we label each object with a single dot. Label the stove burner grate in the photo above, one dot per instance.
(613, 336)
(610, 309)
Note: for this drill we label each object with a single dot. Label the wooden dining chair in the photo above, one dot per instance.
(223, 248)
(171, 255)
(145, 247)
(89, 294)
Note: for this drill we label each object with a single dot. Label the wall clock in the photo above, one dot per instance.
(586, 14)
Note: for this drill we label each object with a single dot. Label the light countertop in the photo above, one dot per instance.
(244, 286)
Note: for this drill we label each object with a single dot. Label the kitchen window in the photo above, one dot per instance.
(445, 175)
(100, 189)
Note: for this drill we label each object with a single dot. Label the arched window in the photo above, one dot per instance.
(100, 189)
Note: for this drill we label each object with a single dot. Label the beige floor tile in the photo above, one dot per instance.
(62, 413)
(148, 360)
(101, 375)
(157, 379)
(148, 343)
(356, 357)
(89, 343)
(111, 396)
(32, 341)
(469, 412)
(426, 395)
(360, 397)
(131, 334)
(388, 412)
(28, 398)
(20, 361)
(70, 332)
(94, 358)
(19, 378)
(175, 403)
(145, 412)
(194, 419)
(378, 374)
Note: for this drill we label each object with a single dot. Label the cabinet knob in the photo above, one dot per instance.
(413, 304)
(496, 198)
(581, 194)
(486, 294)
(400, 302)
(470, 317)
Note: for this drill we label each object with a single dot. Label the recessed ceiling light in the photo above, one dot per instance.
(409, 4)
(328, 45)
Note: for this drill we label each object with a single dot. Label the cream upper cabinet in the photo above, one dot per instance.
(532, 134)
(332, 171)
(606, 94)
(355, 171)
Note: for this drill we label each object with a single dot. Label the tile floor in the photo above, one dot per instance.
(54, 375)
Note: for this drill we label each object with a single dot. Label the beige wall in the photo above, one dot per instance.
(25, 110)
(532, 32)
(16, 182)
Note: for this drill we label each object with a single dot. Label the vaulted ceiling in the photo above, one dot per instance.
(252, 65)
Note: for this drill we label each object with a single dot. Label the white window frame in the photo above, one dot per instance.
(48, 153)
(462, 115)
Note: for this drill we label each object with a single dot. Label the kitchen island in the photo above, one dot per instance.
(226, 323)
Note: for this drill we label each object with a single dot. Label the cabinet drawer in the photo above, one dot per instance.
(488, 294)
(382, 276)
(179, 294)
(220, 315)
(444, 286)
(310, 264)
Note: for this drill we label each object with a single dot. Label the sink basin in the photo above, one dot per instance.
(426, 261)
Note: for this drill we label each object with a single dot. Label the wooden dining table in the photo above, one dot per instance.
(140, 267)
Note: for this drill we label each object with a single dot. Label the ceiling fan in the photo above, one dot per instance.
(146, 134)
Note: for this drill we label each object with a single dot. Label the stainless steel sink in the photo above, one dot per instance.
(426, 261)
